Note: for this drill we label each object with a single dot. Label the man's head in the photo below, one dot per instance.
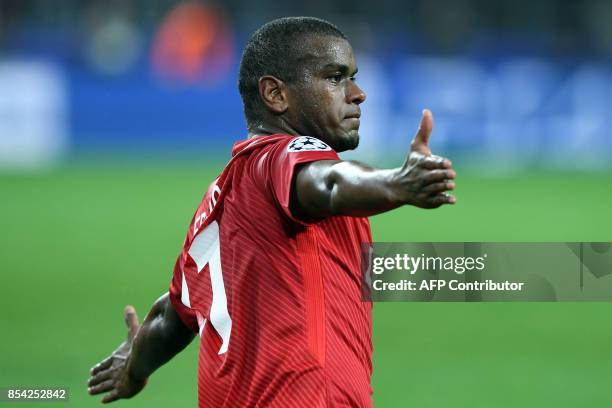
(298, 74)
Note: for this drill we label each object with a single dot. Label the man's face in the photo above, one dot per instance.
(324, 101)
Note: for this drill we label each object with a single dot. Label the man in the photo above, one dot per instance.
(270, 272)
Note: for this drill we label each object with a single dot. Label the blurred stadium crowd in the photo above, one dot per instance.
(512, 83)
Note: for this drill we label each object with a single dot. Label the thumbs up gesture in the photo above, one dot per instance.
(420, 143)
(425, 179)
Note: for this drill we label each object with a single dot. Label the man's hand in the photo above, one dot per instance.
(111, 375)
(335, 187)
(424, 179)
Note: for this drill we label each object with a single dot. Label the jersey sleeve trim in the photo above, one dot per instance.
(284, 162)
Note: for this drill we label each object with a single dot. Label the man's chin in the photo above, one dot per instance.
(349, 141)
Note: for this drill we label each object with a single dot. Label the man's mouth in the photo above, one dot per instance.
(353, 121)
(355, 115)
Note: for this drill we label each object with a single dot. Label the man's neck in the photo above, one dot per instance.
(266, 129)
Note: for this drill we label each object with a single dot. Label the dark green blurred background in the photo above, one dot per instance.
(80, 242)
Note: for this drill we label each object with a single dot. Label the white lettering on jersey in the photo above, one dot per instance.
(185, 293)
(206, 249)
(200, 218)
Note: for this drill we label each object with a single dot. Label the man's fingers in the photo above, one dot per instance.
(100, 377)
(437, 188)
(420, 143)
(110, 397)
(435, 162)
(103, 365)
(102, 387)
(438, 175)
(442, 198)
(131, 320)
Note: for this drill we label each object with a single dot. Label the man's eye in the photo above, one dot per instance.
(336, 78)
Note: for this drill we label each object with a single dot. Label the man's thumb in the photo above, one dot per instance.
(131, 321)
(421, 140)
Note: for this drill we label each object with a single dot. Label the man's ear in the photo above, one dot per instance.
(273, 92)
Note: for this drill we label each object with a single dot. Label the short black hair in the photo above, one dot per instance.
(274, 49)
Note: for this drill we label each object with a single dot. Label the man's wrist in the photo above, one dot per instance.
(134, 374)
(394, 187)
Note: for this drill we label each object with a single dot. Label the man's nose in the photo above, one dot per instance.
(355, 94)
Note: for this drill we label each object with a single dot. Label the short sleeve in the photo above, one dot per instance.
(178, 298)
(278, 165)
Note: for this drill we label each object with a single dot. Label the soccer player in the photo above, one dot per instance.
(270, 272)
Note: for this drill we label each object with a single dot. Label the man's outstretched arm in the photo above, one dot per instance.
(124, 373)
(330, 187)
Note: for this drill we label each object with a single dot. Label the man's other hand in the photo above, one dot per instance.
(425, 179)
(111, 375)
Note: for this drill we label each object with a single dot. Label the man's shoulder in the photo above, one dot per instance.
(288, 143)
(255, 143)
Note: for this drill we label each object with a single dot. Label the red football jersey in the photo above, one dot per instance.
(277, 302)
